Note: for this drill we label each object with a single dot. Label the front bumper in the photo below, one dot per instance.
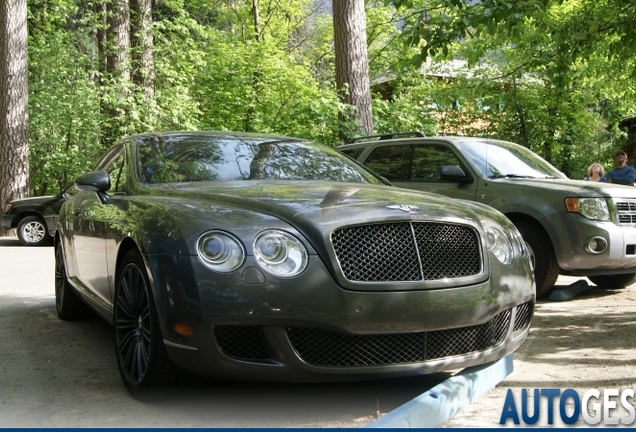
(575, 258)
(7, 219)
(310, 329)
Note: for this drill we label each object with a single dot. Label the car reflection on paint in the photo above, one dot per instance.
(268, 258)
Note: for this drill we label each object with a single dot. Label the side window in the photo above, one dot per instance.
(113, 164)
(118, 175)
(353, 153)
(389, 161)
(426, 160)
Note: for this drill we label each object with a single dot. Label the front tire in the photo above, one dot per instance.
(32, 231)
(546, 267)
(613, 281)
(141, 355)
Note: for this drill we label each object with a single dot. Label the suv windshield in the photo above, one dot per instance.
(497, 159)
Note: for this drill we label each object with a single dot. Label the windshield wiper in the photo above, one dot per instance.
(496, 176)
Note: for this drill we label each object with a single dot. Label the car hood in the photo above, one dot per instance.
(315, 210)
(574, 188)
(32, 202)
(329, 204)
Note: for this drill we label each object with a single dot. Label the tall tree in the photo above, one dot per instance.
(142, 46)
(116, 77)
(352, 67)
(14, 145)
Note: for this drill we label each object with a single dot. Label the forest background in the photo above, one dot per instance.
(555, 76)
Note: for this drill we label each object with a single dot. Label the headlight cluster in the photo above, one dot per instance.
(277, 252)
(220, 251)
(591, 208)
(499, 244)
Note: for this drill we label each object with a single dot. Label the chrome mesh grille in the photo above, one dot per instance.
(626, 212)
(320, 347)
(241, 342)
(407, 251)
(523, 318)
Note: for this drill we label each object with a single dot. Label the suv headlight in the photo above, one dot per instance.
(591, 208)
(499, 244)
(280, 253)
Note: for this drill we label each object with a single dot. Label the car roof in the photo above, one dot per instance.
(214, 134)
(363, 142)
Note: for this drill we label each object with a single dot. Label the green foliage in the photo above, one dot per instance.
(63, 113)
(556, 76)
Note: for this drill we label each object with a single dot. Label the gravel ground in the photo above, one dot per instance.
(584, 343)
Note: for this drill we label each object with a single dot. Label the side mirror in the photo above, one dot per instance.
(94, 181)
(453, 173)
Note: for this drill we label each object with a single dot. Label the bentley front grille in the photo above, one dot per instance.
(325, 348)
(407, 252)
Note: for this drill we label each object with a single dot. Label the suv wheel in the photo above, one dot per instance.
(546, 267)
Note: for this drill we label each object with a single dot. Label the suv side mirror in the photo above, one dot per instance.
(453, 173)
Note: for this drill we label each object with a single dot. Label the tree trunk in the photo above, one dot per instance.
(352, 67)
(14, 143)
(142, 46)
(117, 74)
(248, 125)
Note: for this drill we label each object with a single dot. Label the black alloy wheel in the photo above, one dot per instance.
(141, 355)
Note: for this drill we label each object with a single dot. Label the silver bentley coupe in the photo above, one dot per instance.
(269, 258)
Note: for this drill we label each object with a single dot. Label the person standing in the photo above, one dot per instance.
(622, 173)
(595, 172)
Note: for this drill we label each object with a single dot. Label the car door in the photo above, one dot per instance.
(415, 166)
(390, 161)
(91, 227)
(424, 162)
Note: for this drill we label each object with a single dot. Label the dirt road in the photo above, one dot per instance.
(58, 374)
(588, 342)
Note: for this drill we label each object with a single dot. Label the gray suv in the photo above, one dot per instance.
(571, 227)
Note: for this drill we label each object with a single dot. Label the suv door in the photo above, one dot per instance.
(417, 165)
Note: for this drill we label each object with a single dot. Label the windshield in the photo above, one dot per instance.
(497, 159)
(200, 157)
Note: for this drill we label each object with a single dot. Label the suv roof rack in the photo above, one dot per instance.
(387, 136)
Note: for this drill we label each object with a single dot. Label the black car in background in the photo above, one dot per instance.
(35, 218)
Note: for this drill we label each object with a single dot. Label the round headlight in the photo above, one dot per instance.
(499, 244)
(280, 253)
(220, 251)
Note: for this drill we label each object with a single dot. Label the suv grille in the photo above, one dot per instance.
(626, 212)
(407, 251)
